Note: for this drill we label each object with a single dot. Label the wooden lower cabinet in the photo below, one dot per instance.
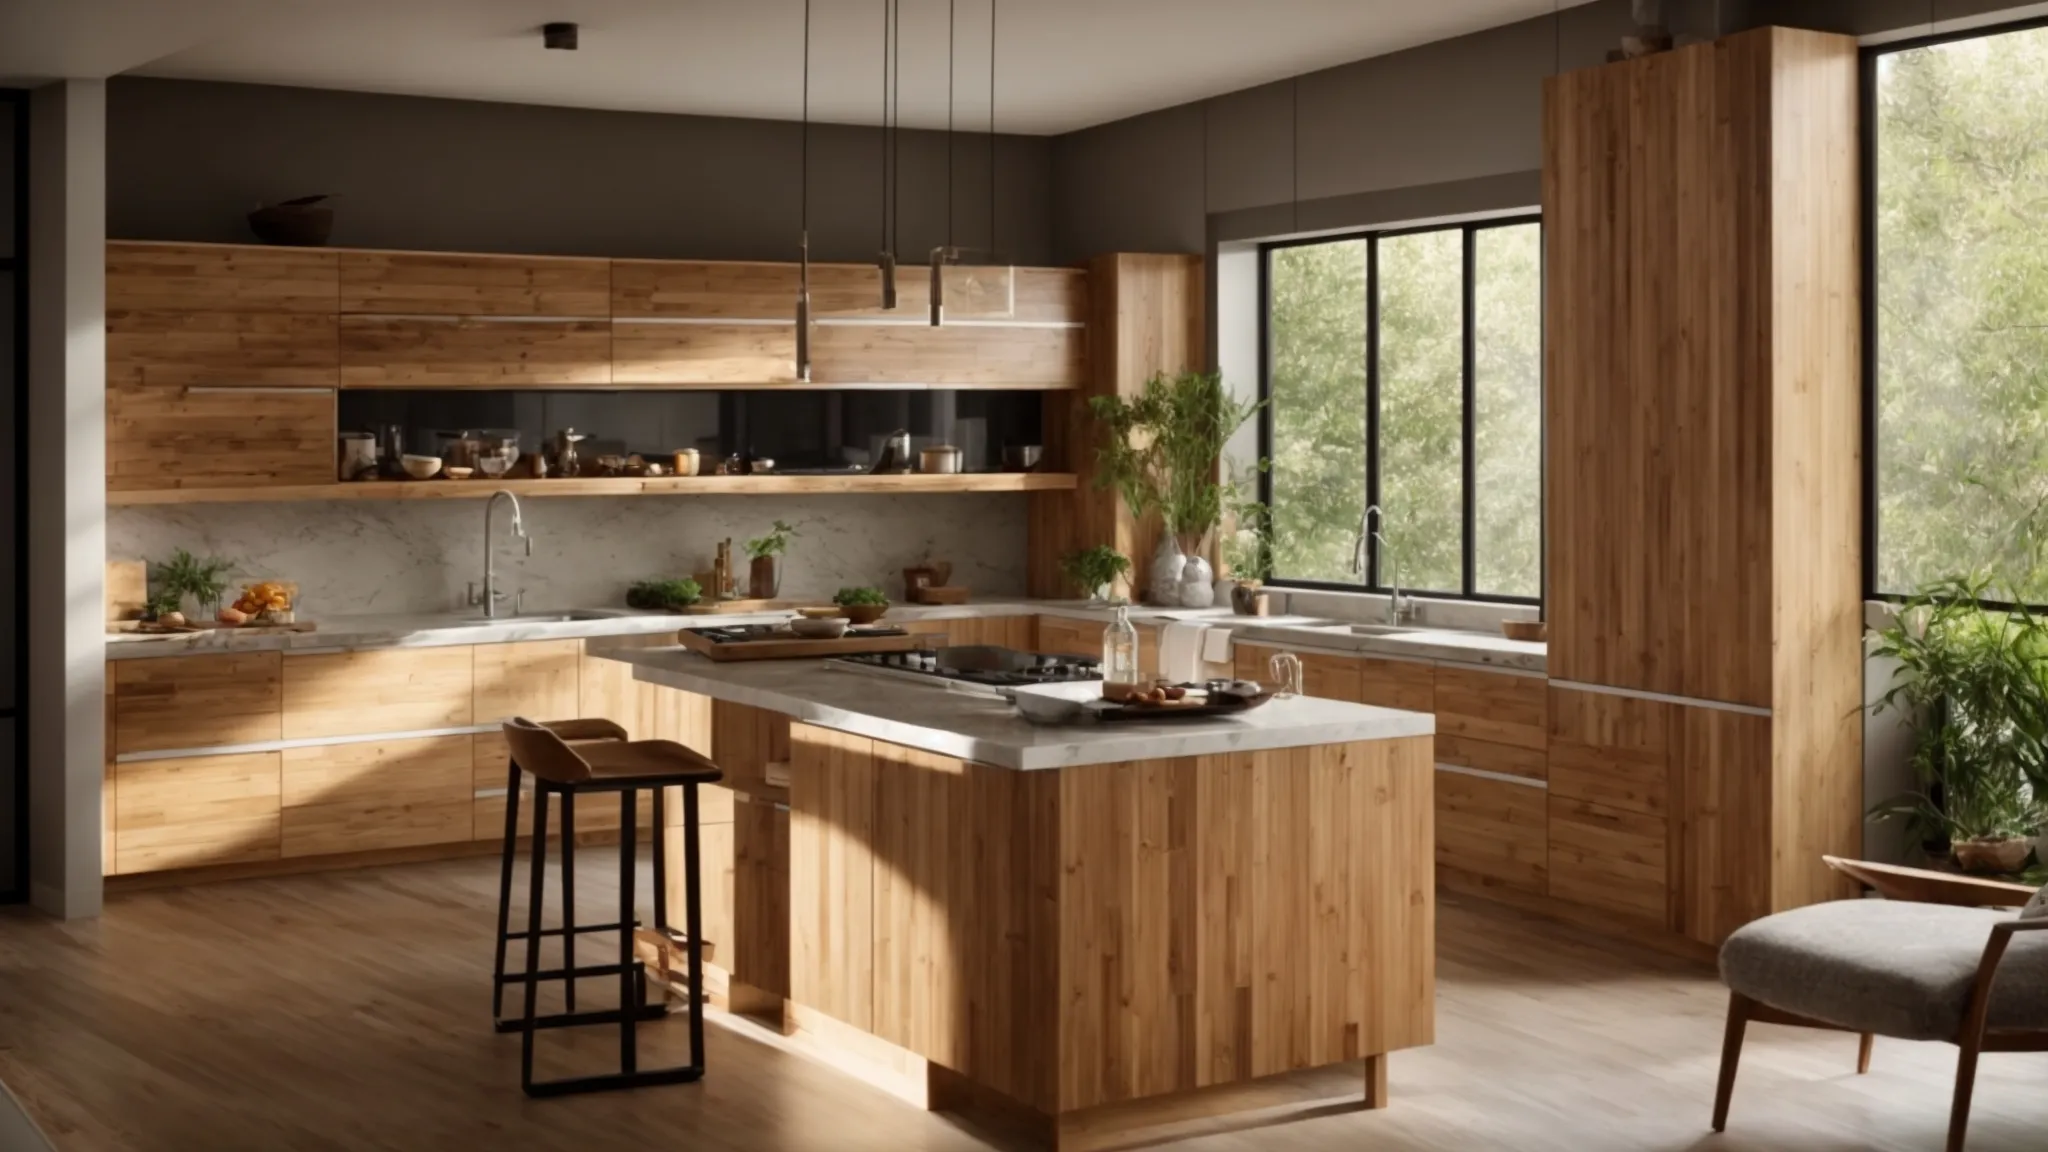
(1501, 708)
(743, 857)
(1017, 632)
(386, 690)
(191, 811)
(1405, 684)
(1611, 859)
(748, 744)
(1493, 830)
(1062, 636)
(168, 703)
(376, 794)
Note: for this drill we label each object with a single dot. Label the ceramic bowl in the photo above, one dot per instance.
(816, 629)
(863, 613)
(459, 473)
(826, 612)
(421, 467)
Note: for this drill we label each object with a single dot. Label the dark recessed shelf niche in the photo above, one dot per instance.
(796, 429)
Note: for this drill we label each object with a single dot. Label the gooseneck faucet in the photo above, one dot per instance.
(1399, 606)
(490, 596)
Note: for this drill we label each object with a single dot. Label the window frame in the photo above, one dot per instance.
(1866, 147)
(1468, 504)
(14, 103)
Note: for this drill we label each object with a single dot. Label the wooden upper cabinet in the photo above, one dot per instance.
(448, 284)
(452, 352)
(960, 355)
(161, 438)
(703, 290)
(650, 353)
(220, 278)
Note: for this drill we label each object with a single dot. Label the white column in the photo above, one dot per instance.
(67, 513)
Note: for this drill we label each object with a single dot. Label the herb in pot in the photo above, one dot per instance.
(1094, 570)
(205, 581)
(663, 595)
(764, 574)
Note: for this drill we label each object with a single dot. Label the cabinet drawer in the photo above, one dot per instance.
(365, 693)
(1404, 684)
(444, 284)
(1609, 858)
(537, 679)
(196, 810)
(182, 438)
(1492, 828)
(390, 352)
(1486, 756)
(1611, 750)
(1492, 706)
(174, 702)
(377, 794)
(1330, 677)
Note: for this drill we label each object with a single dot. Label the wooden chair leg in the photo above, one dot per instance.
(1966, 1083)
(1863, 1047)
(1376, 1081)
(1731, 1055)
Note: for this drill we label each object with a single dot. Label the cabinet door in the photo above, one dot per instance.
(168, 703)
(1021, 356)
(1610, 858)
(746, 741)
(1496, 707)
(245, 278)
(190, 811)
(536, 679)
(161, 438)
(760, 900)
(1404, 684)
(366, 693)
(447, 284)
(1061, 636)
(163, 349)
(1493, 829)
(1330, 677)
(376, 794)
(653, 353)
(1610, 838)
(450, 352)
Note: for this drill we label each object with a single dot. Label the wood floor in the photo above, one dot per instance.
(348, 1011)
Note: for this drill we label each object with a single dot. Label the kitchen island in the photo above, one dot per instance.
(1053, 923)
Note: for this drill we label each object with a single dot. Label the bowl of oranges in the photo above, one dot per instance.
(268, 602)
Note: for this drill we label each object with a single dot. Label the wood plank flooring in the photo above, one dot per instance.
(348, 1011)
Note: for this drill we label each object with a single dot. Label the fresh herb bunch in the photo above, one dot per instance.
(775, 543)
(1248, 552)
(1090, 568)
(655, 595)
(853, 597)
(1160, 449)
(1973, 683)
(205, 581)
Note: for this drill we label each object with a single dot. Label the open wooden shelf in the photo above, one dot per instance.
(474, 489)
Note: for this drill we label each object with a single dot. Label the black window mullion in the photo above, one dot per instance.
(1371, 574)
(1468, 499)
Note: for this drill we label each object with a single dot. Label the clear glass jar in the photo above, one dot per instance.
(1120, 656)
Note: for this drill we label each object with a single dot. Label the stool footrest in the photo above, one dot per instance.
(579, 930)
(583, 971)
(653, 1011)
(682, 1074)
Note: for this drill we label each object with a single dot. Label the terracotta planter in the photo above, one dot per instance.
(764, 578)
(1993, 856)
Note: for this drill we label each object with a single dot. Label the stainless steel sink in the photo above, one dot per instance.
(568, 617)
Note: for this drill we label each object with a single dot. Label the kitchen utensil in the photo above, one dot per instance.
(460, 449)
(941, 459)
(458, 473)
(1287, 673)
(611, 464)
(686, 460)
(357, 456)
(894, 457)
(567, 462)
(1022, 457)
(420, 467)
(391, 451)
(537, 465)
(499, 453)
(827, 629)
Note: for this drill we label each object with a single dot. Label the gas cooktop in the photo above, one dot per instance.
(976, 666)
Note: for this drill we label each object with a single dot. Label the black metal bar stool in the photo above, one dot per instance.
(626, 767)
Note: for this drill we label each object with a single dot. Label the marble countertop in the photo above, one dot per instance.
(1299, 633)
(978, 727)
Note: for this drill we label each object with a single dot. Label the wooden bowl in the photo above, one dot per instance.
(864, 613)
(825, 612)
(1535, 630)
(819, 628)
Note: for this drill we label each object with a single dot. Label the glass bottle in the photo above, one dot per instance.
(1120, 656)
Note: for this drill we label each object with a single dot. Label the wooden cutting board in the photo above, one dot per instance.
(797, 648)
(729, 607)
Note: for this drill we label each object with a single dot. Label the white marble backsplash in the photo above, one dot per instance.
(354, 558)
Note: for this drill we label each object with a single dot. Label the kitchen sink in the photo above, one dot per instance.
(568, 617)
(1350, 629)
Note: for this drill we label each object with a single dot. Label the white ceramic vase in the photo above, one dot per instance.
(1197, 583)
(1162, 585)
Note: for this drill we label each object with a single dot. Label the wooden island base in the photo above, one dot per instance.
(1073, 950)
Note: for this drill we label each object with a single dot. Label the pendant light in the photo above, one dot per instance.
(892, 32)
(803, 282)
(946, 253)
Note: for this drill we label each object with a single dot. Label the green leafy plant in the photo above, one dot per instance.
(1248, 552)
(853, 597)
(658, 595)
(775, 543)
(1160, 450)
(1090, 569)
(205, 581)
(1973, 683)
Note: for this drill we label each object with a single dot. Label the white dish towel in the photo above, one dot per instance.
(1216, 646)
(1180, 651)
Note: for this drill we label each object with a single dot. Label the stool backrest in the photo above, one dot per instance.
(538, 750)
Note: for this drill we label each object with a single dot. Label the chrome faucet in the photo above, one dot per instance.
(1399, 606)
(490, 595)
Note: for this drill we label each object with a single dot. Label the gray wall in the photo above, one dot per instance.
(187, 160)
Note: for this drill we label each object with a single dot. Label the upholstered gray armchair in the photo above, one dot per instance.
(1941, 957)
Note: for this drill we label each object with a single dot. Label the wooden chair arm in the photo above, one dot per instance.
(1977, 1019)
(1923, 886)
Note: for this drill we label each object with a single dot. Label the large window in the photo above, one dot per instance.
(1404, 370)
(1958, 293)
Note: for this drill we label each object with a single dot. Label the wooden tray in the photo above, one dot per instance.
(729, 607)
(1231, 706)
(796, 648)
(150, 628)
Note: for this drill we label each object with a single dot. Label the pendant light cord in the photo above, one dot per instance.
(992, 128)
(895, 207)
(952, 10)
(804, 145)
(885, 125)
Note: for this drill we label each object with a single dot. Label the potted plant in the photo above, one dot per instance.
(1160, 451)
(1095, 571)
(183, 575)
(1973, 683)
(1248, 554)
(764, 573)
(664, 595)
(862, 605)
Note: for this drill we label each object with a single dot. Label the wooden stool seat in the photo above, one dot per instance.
(601, 760)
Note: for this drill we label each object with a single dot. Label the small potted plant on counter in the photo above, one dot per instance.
(1972, 683)
(663, 595)
(764, 573)
(185, 575)
(1248, 553)
(862, 605)
(1095, 571)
